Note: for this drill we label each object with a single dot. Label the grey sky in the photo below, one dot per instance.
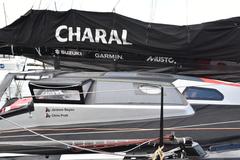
(179, 12)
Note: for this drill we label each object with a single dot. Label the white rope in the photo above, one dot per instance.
(70, 145)
(138, 146)
(158, 154)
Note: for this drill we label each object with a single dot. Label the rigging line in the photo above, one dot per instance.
(34, 3)
(55, 4)
(24, 66)
(39, 5)
(149, 26)
(71, 4)
(114, 7)
(206, 124)
(203, 129)
(5, 14)
(152, 11)
(187, 23)
(70, 145)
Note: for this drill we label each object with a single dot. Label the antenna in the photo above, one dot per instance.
(161, 119)
(5, 15)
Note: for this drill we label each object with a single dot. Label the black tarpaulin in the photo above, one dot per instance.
(109, 41)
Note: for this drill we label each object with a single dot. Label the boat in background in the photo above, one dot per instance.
(12, 63)
(19, 63)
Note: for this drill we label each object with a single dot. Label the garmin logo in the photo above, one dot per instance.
(100, 35)
(161, 59)
(109, 56)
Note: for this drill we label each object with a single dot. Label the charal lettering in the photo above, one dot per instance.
(93, 36)
(158, 59)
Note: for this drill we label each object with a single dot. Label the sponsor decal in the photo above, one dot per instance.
(158, 59)
(68, 52)
(48, 115)
(109, 56)
(58, 112)
(79, 34)
(47, 110)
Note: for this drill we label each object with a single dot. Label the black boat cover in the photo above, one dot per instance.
(109, 41)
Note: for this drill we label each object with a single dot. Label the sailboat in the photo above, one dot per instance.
(90, 110)
(106, 110)
(111, 42)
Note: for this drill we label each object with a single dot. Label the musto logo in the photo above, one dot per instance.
(91, 35)
(158, 59)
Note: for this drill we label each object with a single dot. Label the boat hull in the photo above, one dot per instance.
(211, 124)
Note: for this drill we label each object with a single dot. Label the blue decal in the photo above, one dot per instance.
(2, 66)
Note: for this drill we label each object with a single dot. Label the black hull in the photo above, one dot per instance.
(94, 136)
(210, 125)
